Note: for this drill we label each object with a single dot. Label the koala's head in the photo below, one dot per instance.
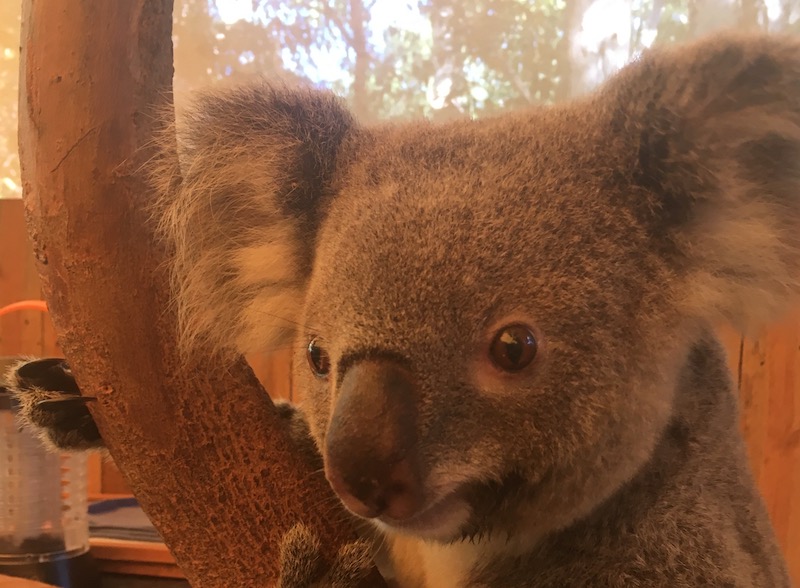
(490, 316)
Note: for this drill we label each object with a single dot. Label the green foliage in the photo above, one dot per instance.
(410, 58)
(465, 58)
(10, 185)
(208, 51)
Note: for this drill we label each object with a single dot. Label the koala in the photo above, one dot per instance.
(503, 328)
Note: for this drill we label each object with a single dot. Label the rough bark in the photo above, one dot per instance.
(201, 447)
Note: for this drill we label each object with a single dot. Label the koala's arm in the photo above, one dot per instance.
(301, 563)
(50, 404)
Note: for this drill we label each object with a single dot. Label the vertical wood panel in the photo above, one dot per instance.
(111, 480)
(20, 332)
(274, 372)
(94, 475)
(770, 399)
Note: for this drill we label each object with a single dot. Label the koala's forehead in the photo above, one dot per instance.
(460, 218)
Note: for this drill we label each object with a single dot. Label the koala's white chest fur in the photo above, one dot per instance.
(448, 566)
(424, 564)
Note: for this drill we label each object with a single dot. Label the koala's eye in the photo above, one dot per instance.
(513, 348)
(318, 358)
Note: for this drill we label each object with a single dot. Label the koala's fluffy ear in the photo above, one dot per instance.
(711, 137)
(257, 165)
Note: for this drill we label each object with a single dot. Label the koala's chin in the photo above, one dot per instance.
(445, 520)
(472, 510)
(458, 511)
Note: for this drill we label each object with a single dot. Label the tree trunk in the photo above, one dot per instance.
(201, 447)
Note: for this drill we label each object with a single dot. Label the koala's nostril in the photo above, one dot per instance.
(401, 494)
(360, 506)
(396, 494)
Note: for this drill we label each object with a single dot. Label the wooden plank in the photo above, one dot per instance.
(274, 371)
(94, 482)
(140, 568)
(11, 582)
(770, 404)
(20, 332)
(131, 551)
(111, 480)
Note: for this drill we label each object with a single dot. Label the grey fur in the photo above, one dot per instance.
(621, 227)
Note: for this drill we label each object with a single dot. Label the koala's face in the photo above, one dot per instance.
(474, 338)
(491, 317)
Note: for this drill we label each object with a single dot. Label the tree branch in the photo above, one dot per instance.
(202, 447)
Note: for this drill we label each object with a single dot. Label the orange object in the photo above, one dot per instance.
(40, 305)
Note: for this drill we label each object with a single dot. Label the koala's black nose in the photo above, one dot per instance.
(371, 460)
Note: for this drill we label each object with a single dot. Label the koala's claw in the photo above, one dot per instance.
(51, 373)
(50, 404)
(54, 404)
(301, 562)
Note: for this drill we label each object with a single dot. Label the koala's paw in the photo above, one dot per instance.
(301, 563)
(51, 406)
(299, 432)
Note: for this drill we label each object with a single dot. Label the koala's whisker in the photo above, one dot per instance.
(267, 349)
(382, 542)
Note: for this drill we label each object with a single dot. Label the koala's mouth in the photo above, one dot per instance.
(463, 509)
(442, 519)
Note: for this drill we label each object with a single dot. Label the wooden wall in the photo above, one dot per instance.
(769, 392)
(767, 369)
